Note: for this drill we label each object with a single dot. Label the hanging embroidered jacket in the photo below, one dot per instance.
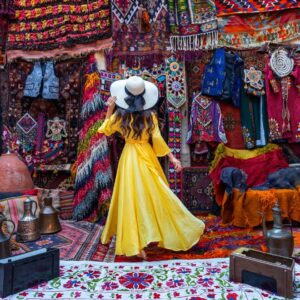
(214, 75)
(233, 82)
(223, 77)
(206, 123)
(283, 98)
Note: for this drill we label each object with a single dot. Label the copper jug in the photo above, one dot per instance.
(28, 226)
(4, 240)
(49, 222)
(279, 241)
(14, 174)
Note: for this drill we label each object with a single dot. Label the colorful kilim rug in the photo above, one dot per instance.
(190, 280)
(76, 241)
(228, 7)
(148, 46)
(197, 190)
(47, 25)
(254, 30)
(193, 24)
(93, 184)
(218, 241)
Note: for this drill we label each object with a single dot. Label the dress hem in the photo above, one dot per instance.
(156, 241)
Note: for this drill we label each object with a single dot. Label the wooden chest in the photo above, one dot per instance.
(263, 270)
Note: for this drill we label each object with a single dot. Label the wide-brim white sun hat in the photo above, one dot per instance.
(136, 86)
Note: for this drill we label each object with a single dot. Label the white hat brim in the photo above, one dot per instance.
(117, 89)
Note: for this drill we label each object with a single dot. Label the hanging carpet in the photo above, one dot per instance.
(254, 30)
(49, 28)
(229, 7)
(134, 41)
(93, 183)
(193, 24)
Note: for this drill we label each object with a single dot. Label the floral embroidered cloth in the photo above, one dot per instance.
(190, 280)
(206, 123)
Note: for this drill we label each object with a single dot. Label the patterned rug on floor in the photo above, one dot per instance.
(189, 280)
(76, 241)
(218, 241)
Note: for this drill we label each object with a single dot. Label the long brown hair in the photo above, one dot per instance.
(136, 122)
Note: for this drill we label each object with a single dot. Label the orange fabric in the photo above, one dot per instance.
(242, 208)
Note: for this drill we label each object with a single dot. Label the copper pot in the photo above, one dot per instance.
(14, 174)
(49, 222)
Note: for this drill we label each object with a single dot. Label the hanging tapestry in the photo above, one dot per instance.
(197, 190)
(195, 68)
(232, 125)
(254, 30)
(67, 108)
(206, 123)
(193, 24)
(229, 7)
(282, 103)
(150, 39)
(174, 142)
(93, 184)
(176, 90)
(86, 23)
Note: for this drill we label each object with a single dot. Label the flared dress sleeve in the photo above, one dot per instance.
(109, 126)
(158, 143)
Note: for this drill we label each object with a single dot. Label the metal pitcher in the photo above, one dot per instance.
(279, 240)
(28, 226)
(5, 240)
(49, 222)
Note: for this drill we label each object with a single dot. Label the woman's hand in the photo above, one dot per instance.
(177, 164)
(111, 103)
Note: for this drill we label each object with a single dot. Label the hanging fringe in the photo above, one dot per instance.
(195, 42)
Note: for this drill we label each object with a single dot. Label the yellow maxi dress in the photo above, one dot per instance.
(143, 209)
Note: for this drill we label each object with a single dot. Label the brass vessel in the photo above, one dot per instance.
(49, 222)
(279, 240)
(4, 240)
(28, 226)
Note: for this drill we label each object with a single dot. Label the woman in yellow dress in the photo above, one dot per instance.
(143, 209)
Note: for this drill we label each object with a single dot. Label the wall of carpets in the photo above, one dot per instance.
(227, 73)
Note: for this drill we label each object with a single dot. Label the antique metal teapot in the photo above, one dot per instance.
(5, 240)
(279, 241)
(28, 226)
(49, 222)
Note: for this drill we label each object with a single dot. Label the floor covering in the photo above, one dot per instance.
(179, 279)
